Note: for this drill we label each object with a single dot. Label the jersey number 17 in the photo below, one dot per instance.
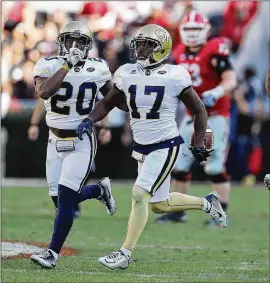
(148, 90)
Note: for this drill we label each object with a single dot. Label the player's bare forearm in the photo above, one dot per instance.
(228, 81)
(38, 112)
(47, 87)
(192, 101)
(105, 90)
(112, 99)
(200, 124)
(267, 82)
(101, 111)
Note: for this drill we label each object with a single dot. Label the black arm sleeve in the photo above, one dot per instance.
(221, 63)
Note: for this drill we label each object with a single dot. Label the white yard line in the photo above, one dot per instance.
(185, 248)
(179, 276)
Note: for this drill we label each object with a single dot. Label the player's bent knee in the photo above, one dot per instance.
(181, 176)
(139, 195)
(219, 178)
(160, 207)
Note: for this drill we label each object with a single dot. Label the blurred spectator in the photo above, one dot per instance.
(47, 46)
(236, 18)
(95, 9)
(23, 84)
(255, 47)
(246, 124)
(117, 52)
(15, 15)
(158, 16)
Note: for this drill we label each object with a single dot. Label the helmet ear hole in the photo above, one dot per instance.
(162, 52)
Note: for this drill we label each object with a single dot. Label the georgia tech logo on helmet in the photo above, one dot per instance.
(162, 35)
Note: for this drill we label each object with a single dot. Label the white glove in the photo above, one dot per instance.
(75, 55)
(210, 97)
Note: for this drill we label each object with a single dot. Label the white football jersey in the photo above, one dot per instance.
(76, 98)
(152, 98)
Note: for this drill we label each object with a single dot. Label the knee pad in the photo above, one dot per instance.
(139, 195)
(219, 178)
(181, 176)
(160, 207)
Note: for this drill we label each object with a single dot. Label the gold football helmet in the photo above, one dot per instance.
(151, 45)
(74, 31)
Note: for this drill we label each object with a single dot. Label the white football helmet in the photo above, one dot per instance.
(194, 29)
(78, 32)
(151, 45)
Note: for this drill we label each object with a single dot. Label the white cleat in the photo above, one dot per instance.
(266, 181)
(216, 211)
(115, 260)
(44, 259)
(106, 197)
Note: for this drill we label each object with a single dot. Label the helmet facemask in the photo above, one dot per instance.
(65, 42)
(142, 49)
(193, 35)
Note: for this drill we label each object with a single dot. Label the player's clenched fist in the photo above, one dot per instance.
(201, 153)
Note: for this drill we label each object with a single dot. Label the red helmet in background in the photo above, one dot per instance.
(194, 29)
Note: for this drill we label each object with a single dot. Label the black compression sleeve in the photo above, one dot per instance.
(221, 63)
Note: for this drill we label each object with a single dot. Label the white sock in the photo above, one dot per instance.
(126, 252)
(206, 205)
(55, 255)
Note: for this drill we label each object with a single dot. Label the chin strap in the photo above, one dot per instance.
(153, 67)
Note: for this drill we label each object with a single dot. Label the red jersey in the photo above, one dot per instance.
(203, 73)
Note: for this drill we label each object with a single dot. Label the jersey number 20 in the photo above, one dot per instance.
(65, 110)
(153, 114)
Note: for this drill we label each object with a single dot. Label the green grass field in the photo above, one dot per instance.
(165, 253)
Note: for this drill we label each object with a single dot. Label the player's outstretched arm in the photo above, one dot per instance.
(267, 82)
(192, 101)
(114, 98)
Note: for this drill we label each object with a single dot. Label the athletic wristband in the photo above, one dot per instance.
(66, 66)
(34, 124)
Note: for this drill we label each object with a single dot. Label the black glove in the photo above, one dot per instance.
(200, 153)
(86, 126)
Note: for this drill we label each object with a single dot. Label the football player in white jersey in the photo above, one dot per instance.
(152, 90)
(69, 83)
(104, 137)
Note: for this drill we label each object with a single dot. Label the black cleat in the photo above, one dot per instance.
(44, 259)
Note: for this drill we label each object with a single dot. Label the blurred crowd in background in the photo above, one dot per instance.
(30, 29)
